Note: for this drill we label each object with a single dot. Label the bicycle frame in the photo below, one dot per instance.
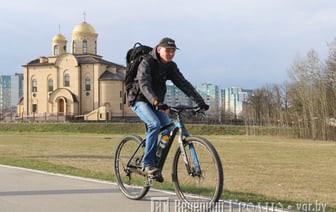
(177, 128)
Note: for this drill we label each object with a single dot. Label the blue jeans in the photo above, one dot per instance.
(154, 120)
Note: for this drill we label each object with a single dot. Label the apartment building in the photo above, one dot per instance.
(11, 90)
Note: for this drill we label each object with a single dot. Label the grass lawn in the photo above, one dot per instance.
(255, 168)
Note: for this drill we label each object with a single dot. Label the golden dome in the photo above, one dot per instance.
(84, 27)
(59, 37)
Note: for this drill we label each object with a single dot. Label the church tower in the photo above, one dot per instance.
(84, 39)
(59, 44)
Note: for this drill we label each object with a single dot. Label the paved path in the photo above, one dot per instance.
(25, 190)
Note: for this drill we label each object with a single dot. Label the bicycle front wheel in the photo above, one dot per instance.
(201, 182)
(127, 161)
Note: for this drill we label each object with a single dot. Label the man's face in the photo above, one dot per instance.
(166, 54)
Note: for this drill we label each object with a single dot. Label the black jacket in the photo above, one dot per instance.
(152, 76)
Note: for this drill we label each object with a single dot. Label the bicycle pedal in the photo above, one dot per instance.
(150, 181)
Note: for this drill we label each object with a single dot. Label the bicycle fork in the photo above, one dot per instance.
(183, 144)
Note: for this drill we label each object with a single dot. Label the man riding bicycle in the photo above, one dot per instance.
(153, 72)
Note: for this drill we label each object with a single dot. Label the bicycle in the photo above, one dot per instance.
(197, 172)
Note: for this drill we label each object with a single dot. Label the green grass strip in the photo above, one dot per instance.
(54, 168)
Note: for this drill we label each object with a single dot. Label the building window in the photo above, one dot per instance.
(56, 50)
(50, 85)
(87, 84)
(34, 108)
(73, 47)
(34, 85)
(67, 80)
(95, 47)
(85, 47)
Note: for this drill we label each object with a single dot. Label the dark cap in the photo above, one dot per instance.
(167, 43)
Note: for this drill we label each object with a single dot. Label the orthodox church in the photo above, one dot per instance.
(77, 84)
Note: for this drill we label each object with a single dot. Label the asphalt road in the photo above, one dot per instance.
(25, 190)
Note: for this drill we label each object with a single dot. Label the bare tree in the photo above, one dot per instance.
(306, 103)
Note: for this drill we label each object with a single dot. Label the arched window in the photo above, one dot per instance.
(95, 47)
(85, 47)
(34, 85)
(50, 85)
(66, 80)
(56, 50)
(87, 84)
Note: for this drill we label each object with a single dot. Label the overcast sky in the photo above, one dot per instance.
(243, 43)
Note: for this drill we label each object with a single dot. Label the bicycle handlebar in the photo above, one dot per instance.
(181, 108)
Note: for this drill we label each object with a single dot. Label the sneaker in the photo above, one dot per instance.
(159, 178)
(151, 171)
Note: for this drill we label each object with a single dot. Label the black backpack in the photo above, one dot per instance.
(133, 59)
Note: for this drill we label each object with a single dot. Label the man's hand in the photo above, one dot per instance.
(161, 106)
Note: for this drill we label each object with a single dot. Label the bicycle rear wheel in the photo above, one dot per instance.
(131, 183)
(204, 185)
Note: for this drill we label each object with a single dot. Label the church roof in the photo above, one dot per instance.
(59, 37)
(90, 59)
(84, 27)
(107, 75)
(39, 62)
(81, 58)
